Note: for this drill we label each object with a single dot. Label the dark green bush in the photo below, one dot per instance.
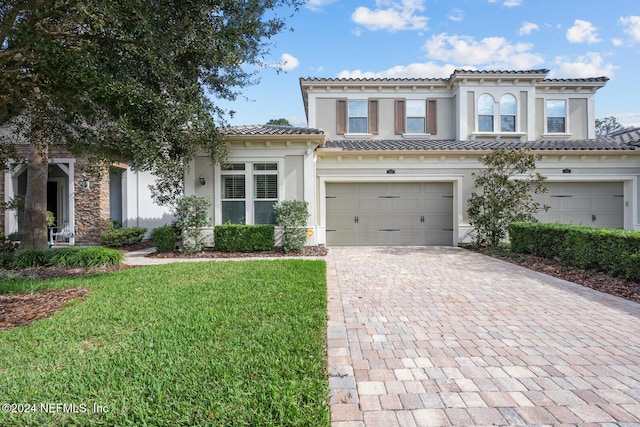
(612, 251)
(165, 239)
(30, 258)
(123, 236)
(243, 238)
(6, 260)
(85, 257)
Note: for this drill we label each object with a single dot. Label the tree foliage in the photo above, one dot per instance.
(505, 185)
(607, 125)
(125, 80)
(279, 122)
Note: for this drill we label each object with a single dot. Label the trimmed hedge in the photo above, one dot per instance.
(123, 236)
(612, 251)
(243, 238)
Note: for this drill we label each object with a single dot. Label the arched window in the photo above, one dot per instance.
(485, 113)
(508, 113)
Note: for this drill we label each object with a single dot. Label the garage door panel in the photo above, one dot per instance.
(597, 204)
(391, 213)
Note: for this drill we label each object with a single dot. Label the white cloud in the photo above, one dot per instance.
(582, 32)
(513, 3)
(417, 70)
(288, 62)
(590, 65)
(456, 15)
(508, 3)
(617, 42)
(392, 15)
(628, 119)
(317, 5)
(490, 52)
(527, 28)
(632, 26)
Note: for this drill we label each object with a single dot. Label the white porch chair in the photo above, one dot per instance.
(63, 234)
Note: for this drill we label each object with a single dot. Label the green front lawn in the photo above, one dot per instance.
(220, 344)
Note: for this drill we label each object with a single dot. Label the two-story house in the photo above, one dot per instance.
(386, 161)
(390, 161)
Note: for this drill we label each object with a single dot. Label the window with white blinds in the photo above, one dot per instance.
(249, 192)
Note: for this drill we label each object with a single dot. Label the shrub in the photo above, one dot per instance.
(292, 216)
(6, 260)
(191, 214)
(123, 236)
(243, 238)
(30, 258)
(612, 251)
(165, 239)
(85, 257)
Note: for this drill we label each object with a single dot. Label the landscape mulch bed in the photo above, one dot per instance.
(22, 309)
(306, 251)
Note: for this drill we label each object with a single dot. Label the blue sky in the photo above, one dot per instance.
(430, 38)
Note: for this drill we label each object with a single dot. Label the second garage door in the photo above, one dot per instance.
(597, 204)
(415, 213)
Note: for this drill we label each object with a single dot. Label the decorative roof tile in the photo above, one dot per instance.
(629, 135)
(270, 130)
(480, 145)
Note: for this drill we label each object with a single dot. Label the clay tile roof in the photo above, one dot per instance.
(481, 145)
(270, 130)
(626, 136)
(584, 80)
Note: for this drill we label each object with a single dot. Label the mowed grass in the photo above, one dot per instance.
(206, 344)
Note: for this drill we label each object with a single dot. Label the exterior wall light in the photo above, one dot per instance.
(202, 181)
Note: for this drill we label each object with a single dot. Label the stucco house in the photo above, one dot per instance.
(382, 162)
(390, 161)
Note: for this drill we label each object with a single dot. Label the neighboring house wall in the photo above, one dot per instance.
(138, 207)
(85, 202)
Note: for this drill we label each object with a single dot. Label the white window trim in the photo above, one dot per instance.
(558, 135)
(349, 116)
(249, 184)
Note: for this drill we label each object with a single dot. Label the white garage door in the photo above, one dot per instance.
(596, 204)
(390, 214)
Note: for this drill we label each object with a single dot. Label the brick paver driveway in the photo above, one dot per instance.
(443, 336)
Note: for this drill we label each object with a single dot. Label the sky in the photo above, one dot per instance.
(431, 38)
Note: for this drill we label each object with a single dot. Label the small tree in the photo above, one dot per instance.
(607, 125)
(191, 215)
(292, 216)
(505, 196)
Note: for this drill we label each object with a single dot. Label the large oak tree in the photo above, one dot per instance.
(124, 80)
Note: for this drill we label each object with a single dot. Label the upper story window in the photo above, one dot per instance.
(416, 116)
(556, 116)
(486, 106)
(358, 116)
(508, 113)
(248, 193)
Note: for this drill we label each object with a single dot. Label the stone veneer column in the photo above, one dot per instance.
(91, 205)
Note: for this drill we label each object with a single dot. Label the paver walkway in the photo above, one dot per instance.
(443, 336)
